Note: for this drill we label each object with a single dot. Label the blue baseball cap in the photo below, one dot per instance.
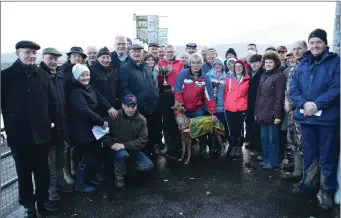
(129, 99)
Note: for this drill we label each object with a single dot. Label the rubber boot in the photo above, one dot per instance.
(119, 180)
(298, 168)
(233, 146)
(239, 143)
(80, 183)
(67, 168)
(326, 200)
(73, 162)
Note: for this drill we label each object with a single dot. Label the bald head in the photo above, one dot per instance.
(92, 52)
(298, 48)
(249, 54)
(203, 51)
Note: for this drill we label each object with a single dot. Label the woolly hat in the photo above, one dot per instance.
(103, 51)
(231, 51)
(78, 69)
(319, 33)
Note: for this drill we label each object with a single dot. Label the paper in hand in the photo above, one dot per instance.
(318, 113)
(99, 132)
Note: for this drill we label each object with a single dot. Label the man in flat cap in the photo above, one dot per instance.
(153, 48)
(191, 48)
(254, 146)
(29, 108)
(56, 151)
(315, 91)
(136, 80)
(282, 51)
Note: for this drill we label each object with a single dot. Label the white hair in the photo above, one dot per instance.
(194, 56)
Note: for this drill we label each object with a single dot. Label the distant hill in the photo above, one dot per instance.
(240, 48)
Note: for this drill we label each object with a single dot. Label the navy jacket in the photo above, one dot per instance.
(319, 82)
(137, 81)
(85, 103)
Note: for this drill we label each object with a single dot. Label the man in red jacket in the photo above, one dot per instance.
(173, 66)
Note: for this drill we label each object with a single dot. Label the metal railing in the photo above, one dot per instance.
(9, 179)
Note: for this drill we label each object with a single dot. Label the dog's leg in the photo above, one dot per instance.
(183, 141)
(189, 150)
(221, 143)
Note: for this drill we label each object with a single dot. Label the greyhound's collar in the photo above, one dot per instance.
(177, 114)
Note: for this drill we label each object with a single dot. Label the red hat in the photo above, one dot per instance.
(242, 62)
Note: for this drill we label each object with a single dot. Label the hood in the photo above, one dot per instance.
(218, 61)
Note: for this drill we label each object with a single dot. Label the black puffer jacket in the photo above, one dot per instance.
(137, 81)
(84, 104)
(106, 80)
(270, 97)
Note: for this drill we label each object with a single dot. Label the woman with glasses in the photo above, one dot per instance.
(235, 105)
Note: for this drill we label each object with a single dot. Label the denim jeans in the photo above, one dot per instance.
(270, 144)
(194, 114)
(143, 163)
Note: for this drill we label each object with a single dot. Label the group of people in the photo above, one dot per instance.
(51, 112)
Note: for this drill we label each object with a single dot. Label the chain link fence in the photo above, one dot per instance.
(9, 184)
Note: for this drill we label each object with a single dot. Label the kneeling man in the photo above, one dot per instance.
(128, 135)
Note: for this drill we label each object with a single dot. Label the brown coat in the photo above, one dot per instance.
(132, 131)
(270, 97)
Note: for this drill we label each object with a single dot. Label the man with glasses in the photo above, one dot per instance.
(136, 80)
(29, 107)
(92, 52)
(170, 129)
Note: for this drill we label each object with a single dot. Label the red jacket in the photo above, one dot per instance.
(235, 96)
(177, 66)
(193, 93)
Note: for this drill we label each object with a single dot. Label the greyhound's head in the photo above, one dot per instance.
(181, 119)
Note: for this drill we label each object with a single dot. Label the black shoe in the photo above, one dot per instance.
(47, 208)
(30, 213)
(66, 188)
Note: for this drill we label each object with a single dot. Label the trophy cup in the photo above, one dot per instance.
(164, 71)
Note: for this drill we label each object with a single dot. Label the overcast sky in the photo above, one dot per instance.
(66, 24)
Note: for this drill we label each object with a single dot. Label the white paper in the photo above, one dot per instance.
(318, 113)
(99, 132)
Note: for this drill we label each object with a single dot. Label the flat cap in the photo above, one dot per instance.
(153, 44)
(136, 46)
(290, 54)
(27, 44)
(255, 58)
(191, 44)
(52, 51)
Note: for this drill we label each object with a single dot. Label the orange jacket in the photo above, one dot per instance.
(235, 96)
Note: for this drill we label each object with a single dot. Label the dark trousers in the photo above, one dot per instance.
(319, 147)
(169, 126)
(235, 123)
(93, 155)
(255, 136)
(30, 159)
(154, 125)
(282, 142)
(56, 164)
(270, 144)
